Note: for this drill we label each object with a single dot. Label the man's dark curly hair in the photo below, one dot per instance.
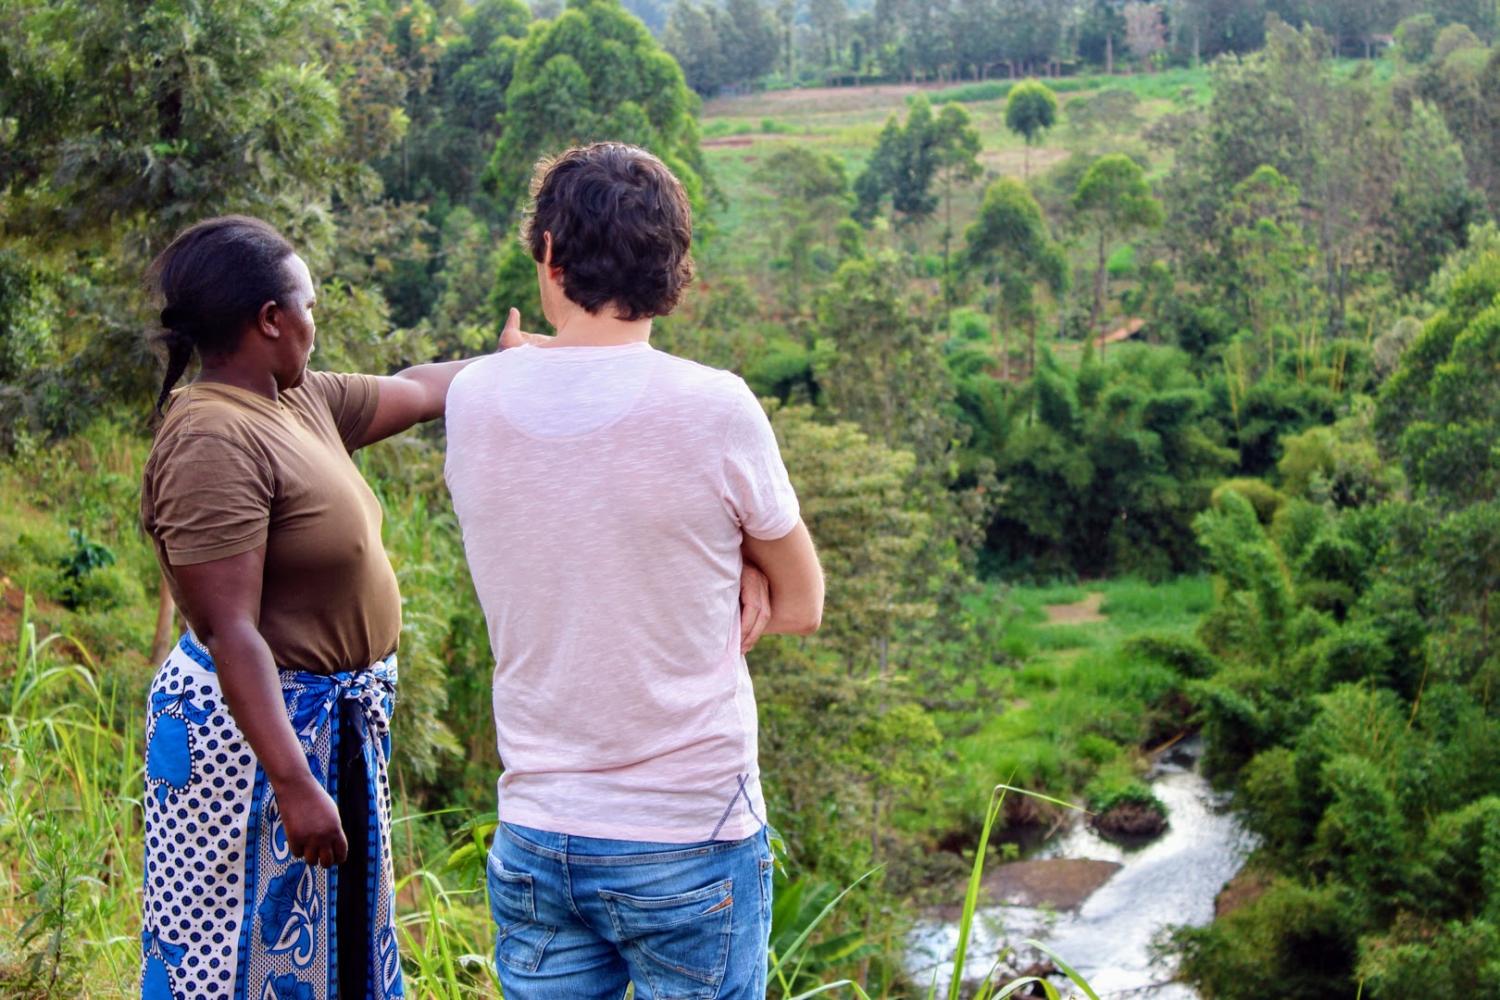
(622, 230)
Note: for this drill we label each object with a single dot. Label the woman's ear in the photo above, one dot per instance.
(265, 320)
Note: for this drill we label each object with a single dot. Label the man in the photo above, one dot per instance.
(609, 496)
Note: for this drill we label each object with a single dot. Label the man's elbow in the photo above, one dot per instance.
(807, 621)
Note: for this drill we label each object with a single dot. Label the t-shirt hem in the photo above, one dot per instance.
(366, 415)
(776, 530)
(737, 828)
(202, 554)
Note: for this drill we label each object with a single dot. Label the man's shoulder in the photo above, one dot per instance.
(704, 382)
(476, 377)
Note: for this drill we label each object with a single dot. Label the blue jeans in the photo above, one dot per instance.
(578, 918)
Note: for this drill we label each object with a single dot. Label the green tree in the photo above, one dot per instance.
(1285, 107)
(1432, 204)
(593, 74)
(1441, 410)
(454, 118)
(1272, 261)
(829, 22)
(908, 160)
(145, 121)
(1356, 713)
(1034, 32)
(1215, 26)
(462, 321)
(121, 124)
(843, 738)
(1415, 38)
(1010, 246)
(1103, 468)
(879, 365)
(806, 195)
(1030, 110)
(1464, 84)
(1352, 24)
(1114, 201)
(956, 145)
(692, 37)
(748, 38)
(1100, 31)
(901, 168)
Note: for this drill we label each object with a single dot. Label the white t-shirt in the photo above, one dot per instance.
(602, 493)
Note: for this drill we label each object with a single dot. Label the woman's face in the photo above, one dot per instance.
(294, 318)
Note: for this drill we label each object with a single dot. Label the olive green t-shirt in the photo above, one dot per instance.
(231, 470)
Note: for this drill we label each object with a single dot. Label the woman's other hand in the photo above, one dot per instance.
(311, 819)
(221, 600)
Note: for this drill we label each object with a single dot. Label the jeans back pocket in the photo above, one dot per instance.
(520, 940)
(680, 942)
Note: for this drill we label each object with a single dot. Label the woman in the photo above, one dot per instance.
(268, 868)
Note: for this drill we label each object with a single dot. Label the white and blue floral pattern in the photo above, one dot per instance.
(230, 914)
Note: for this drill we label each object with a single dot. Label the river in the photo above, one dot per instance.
(1171, 880)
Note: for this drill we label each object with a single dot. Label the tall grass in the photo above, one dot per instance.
(70, 831)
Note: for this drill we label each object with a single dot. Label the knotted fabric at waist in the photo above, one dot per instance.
(311, 697)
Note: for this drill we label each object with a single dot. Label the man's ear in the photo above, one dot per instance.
(553, 270)
(265, 320)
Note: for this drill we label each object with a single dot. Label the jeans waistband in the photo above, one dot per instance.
(596, 851)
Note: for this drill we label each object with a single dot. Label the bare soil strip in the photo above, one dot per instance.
(1080, 613)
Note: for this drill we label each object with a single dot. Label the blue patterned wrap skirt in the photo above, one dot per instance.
(229, 913)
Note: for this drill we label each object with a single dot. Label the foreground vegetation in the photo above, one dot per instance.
(1217, 342)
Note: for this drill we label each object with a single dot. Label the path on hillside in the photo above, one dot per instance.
(1078, 613)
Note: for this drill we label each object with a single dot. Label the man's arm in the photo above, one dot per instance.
(790, 563)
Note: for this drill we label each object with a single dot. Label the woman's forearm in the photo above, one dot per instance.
(432, 381)
(252, 687)
(420, 393)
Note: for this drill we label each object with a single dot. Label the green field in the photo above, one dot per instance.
(739, 132)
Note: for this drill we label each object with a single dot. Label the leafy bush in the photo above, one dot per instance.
(82, 584)
(1188, 657)
(1262, 496)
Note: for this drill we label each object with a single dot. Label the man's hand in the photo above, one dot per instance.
(513, 336)
(755, 606)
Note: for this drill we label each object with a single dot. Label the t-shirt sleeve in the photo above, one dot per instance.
(351, 399)
(211, 500)
(756, 486)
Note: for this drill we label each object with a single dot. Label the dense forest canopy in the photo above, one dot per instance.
(1214, 290)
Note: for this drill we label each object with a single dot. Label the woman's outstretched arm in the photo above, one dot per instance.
(419, 393)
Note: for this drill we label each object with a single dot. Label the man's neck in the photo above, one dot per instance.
(601, 329)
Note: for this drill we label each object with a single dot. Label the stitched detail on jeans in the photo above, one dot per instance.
(638, 923)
